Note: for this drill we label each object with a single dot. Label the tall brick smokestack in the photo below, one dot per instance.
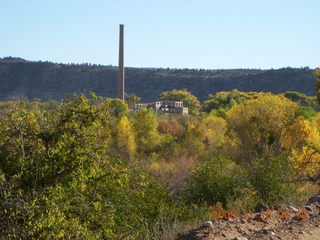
(121, 65)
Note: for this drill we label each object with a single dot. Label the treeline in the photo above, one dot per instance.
(90, 168)
(20, 79)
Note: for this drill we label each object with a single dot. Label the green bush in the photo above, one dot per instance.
(58, 182)
(307, 112)
(213, 181)
(269, 177)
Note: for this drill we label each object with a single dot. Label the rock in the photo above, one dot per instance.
(259, 218)
(295, 210)
(312, 216)
(263, 231)
(239, 238)
(239, 229)
(272, 233)
(308, 208)
(301, 232)
(298, 218)
(260, 207)
(314, 199)
(243, 221)
(277, 207)
(207, 224)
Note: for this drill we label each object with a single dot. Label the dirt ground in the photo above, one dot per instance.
(278, 223)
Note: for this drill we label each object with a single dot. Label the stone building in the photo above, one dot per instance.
(164, 107)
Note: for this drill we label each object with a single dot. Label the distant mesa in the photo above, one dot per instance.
(46, 80)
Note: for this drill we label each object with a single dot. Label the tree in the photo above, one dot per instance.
(307, 105)
(171, 127)
(266, 132)
(117, 107)
(317, 75)
(213, 129)
(186, 97)
(306, 160)
(193, 140)
(221, 102)
(264, 125)
(57, 180)
(131, 100)
(145, 126)
(124, 138)
(300, 98)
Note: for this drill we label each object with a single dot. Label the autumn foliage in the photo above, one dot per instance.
(91, 168)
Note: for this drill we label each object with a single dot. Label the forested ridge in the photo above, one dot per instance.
(21, 79)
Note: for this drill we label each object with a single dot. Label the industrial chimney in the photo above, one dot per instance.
(121, 65)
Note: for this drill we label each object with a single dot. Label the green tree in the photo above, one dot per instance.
(57, 180)
(131, 100)
(146, 129)
(117, 107)
(307, 112)
(308, 105)
(221, 102)
(186, 97)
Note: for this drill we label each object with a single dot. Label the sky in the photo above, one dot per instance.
(207, 34)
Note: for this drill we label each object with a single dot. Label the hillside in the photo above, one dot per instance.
(21, 79)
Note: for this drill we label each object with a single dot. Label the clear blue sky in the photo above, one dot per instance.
(210, 34)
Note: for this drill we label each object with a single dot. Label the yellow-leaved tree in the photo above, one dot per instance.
(213, 130)
(307, 159)
(267, 125)
(267, 136)
(124, 137)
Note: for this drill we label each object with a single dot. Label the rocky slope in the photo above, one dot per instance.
(279, 222)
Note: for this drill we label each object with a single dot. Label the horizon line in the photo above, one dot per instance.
(153, 68)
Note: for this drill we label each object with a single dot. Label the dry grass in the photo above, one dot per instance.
(163, 230)
(173, 174)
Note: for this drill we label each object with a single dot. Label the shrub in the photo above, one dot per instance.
(57, 180)
(214, 181)
(269, 176)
